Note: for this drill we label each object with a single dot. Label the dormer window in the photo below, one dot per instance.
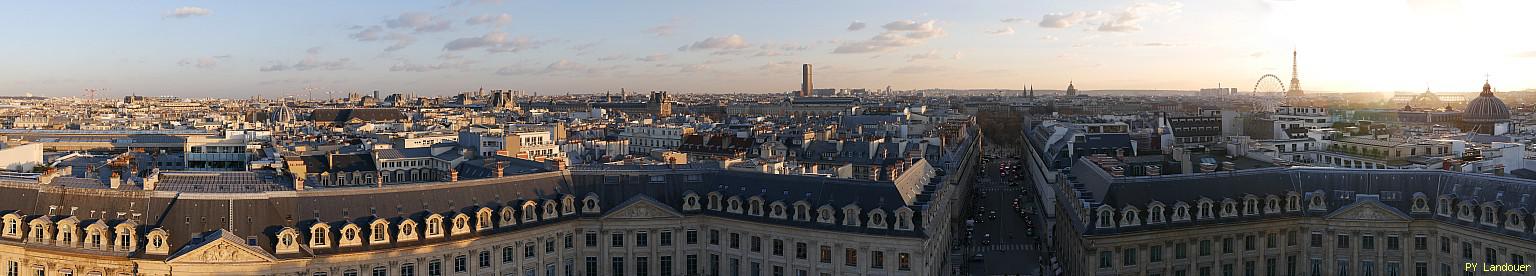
(1250, 206)
(483, 219)
(1317, 203)
(1180, 211)
(1444, 208)
(1106, 217)
(756, 207)
(1293, 202)
(1155, 213)
(589, 205)
(714, 202)
(1512, 221)
(1272, 205)
(319, 236)
(434, 226)
(1488, 215)
(349, 235)
(379, 232)
(824, 215)
(1129, 217)
(777, 211)
(903, 219)
(802, 211)
(1466, 212)
(1420, 205)
(851, 216)
(1205, 211)
(690, 202)
(508, 216)
(1228, 208)
(568, 205)
(734, 205)
(530, 211)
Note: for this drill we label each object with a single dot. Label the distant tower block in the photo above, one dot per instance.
(1295, 78)
(805, 80)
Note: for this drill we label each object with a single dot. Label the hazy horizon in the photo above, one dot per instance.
(273, 49)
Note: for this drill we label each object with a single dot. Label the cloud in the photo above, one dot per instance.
(311, 61)
(856, 25)
(419, 22)
(958, 55)
(495, 20)
(930, 55)
(1057, 20)
(1158, 44)
(1014, 20)
(729, 42)
(1003, 31)
(407, 66)
(1529, 54)
(1129, 19)
(654, 58)
(1050, 38)
(898, 34)
(188, 11)
(496, 42)
(377, 33)
(612, 58)
(1261, 54)
(203, 62)
(693, 68)
(665, 29)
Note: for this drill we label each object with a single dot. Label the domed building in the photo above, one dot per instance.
(1486, 114)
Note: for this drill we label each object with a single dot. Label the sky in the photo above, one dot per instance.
(235, 49)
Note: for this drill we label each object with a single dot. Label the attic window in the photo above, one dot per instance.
(658, 178)
(695, 178)
(610, 179)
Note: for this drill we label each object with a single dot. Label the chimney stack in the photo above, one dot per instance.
(116, 180)
(453, 175)
(500, 168)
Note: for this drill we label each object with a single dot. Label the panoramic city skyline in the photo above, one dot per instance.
(437, 48)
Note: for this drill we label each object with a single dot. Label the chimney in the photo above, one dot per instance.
(115, 181)
(453, 175)
(152, 179)
(378, 179)
(500, 168)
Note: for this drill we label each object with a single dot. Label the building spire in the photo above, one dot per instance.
(1295, 90)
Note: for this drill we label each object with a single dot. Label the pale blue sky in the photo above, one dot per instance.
(276, 48)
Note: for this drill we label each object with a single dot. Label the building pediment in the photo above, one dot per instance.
(642, 207)
(1368, 211)
(221, 246)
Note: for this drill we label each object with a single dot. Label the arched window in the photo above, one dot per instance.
(714, 201)
(1444, 208)
(434, 226)
(1228, 208)
(551, 209)
(460, 224)
(1106, 217)
(508, 216)
(1205, 211)
(755, 206)
(1155, 213)
(1250, 205)
(851, 215)
(802, 211)
(378, 232)
(904, 218)
(483, 219)
(319, 235)
(1292, 201)
(1490, 216)
(530, 211)
(568, 205)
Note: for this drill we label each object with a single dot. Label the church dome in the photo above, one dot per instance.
(1486, 107)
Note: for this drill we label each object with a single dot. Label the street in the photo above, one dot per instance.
(1002, 240)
